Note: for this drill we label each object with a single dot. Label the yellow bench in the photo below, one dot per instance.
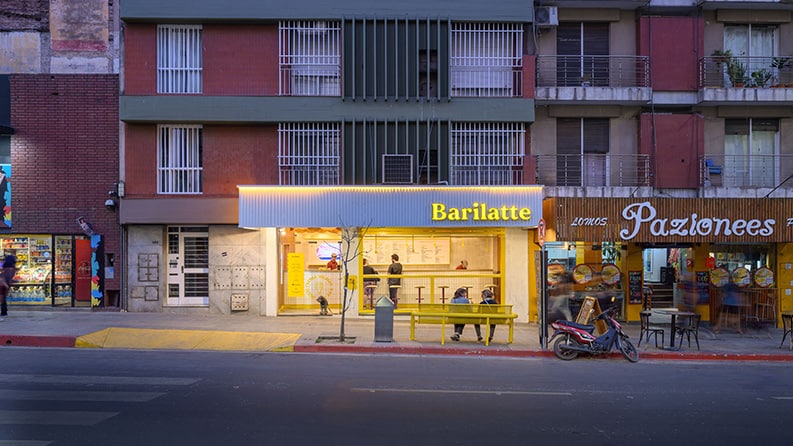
(482, 314)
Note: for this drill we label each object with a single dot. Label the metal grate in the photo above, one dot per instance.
(398, 169)
(310, 59)
(179, 159)
(179, 63)
(487, 153)
(487, 59)
(308, 153)
(239, 302)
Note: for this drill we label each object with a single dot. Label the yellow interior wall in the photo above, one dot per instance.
(632, 261)
(700, 264)
(784, 276)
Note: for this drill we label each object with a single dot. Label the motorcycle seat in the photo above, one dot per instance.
(587, 328)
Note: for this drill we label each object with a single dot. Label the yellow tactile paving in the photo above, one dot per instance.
(140, 338)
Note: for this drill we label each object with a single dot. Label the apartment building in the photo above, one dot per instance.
(663, 138)
(260, 138)
(59, 152)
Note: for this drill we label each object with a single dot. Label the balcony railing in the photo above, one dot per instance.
(486, 81)
(593, 71)
(593, 170)
(721, 170)
(740, 72)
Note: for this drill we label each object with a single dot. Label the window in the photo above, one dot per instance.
(486, 59)
(487, 153)
(582, 146)
(750, 151)
(308, 153)
(582, 54)
(310, 58)
(179, 60)
(753, 45)
(179, 159)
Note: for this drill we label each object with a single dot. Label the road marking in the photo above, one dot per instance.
(782, 397)
(78, 395)
(54, 417)
(473, 392)
(25, 442)
(89, 379)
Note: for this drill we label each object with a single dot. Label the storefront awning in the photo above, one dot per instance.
(389, 206)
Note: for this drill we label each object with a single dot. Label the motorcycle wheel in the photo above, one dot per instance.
(561, 352)
(627, 349)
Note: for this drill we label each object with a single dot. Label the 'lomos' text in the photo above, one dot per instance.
(640, 214)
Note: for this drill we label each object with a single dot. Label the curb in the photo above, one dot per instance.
(37, 341)
(395, 349)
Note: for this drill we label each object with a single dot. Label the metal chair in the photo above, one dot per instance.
(787, 328)
(648, 330)
(688, 328)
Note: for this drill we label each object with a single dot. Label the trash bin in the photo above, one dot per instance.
(384, 320)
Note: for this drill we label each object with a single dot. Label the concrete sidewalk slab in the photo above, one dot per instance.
(159, 339)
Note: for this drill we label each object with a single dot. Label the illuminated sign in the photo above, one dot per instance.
(480, 212)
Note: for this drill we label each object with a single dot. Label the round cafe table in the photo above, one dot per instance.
(674, 313)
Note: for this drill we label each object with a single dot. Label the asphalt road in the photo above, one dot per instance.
(106, 397)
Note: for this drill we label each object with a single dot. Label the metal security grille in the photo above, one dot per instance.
(486, 59)
(308, 153)
(179, 63)
(310, 58)
(487, 153)
(397, 169)
(179, 159)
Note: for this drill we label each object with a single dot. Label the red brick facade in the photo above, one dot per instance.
(64, 155)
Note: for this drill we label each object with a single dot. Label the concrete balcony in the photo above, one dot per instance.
(593, 79)
(746, 171)
(747, 81)
(592, 170)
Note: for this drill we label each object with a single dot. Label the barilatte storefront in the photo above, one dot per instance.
(714, 244)
(432, 229)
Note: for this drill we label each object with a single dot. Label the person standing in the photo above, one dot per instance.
(460, 297)
(368, 289)
(395, 268)
(487, 299)
(333, 265)
(6, 279)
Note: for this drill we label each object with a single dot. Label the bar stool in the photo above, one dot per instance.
(787, 326)
(419, 287)
(396, 298)
(370, 292)
(467, 289)
(443, 293)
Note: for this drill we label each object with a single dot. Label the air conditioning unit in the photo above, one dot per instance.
(546, 16)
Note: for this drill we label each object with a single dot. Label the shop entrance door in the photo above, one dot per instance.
(188, 265)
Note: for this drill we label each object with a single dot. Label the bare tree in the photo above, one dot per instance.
(350, 237)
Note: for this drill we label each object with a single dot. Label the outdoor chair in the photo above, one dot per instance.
(648, 330)
(690, 326)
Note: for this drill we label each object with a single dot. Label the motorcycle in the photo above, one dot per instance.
(570, 339)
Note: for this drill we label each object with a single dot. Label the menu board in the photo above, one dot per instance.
(763, 277)
(703, 287)
(635, 286)
(719, 277)
(741, 277)
(582, 274)
(411, 250)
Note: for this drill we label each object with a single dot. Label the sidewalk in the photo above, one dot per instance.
(107, 329)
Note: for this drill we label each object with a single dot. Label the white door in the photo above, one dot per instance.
(188, 265)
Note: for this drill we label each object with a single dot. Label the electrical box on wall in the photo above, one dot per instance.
(545, 16)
